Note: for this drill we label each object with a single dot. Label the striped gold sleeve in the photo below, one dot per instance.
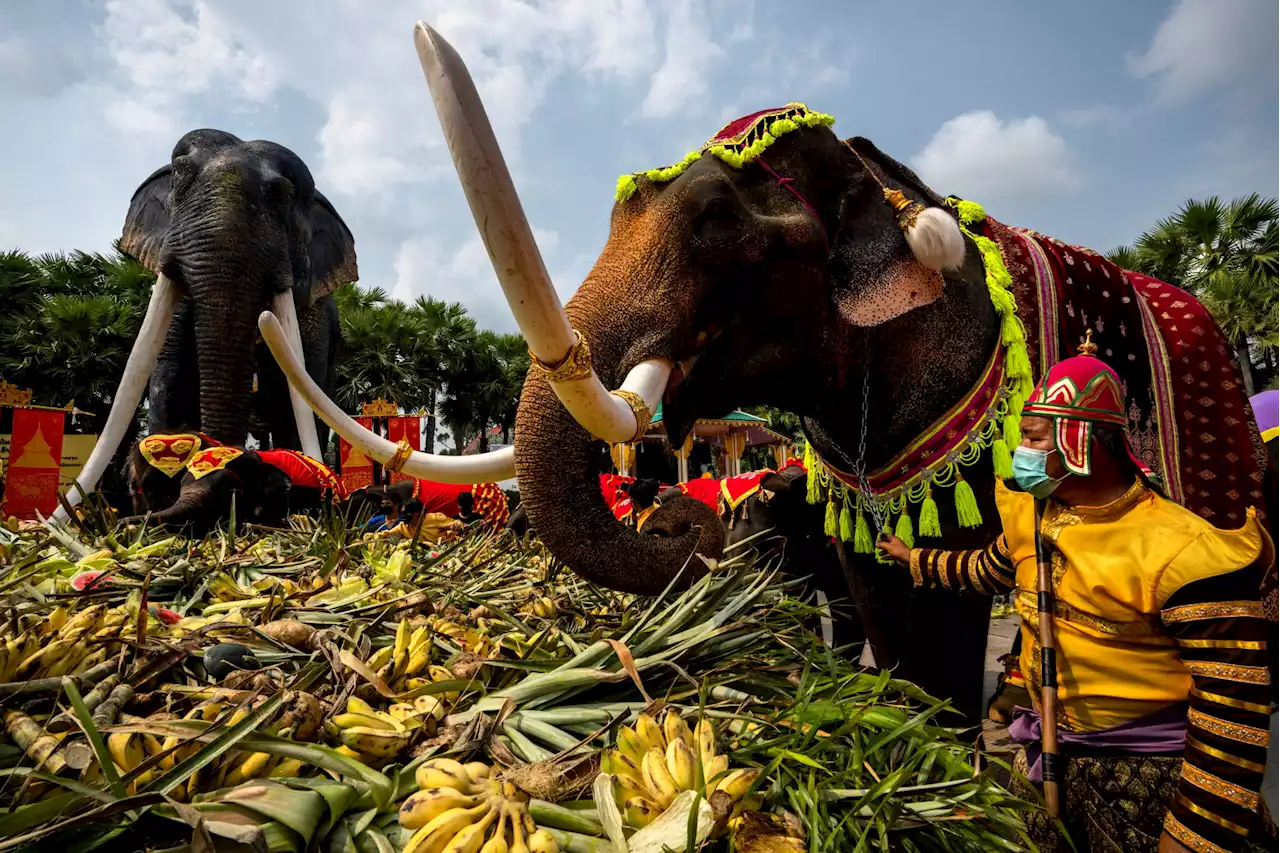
(1223, 638)
(986, 571)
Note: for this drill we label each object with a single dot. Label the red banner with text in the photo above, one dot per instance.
(356, 468)
(35, 455)
(407, 427)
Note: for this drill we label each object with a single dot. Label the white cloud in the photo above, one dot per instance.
(1204, 44)
(691, 53)
(979, 156)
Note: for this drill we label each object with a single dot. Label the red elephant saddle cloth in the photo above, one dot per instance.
(213, 459)
(302, 470)
(703, 489)
(611, 488)
(491, 502)
(488, 499)
(735, 490)
(170, 453)
(1186, 413)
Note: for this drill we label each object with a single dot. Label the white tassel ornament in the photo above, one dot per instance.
(932, 233)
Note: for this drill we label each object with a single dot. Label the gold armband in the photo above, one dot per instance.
(401, 456)
(575, 365)
(638, 408)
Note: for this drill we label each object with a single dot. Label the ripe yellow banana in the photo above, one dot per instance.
(253, 767)
(736, 783)
(444, 773)
(422, 807)
(675, 728)
(433, 837)
(662, 787)
(287, 768)
(682, 765)
(56, 619)
(400, 656)
(469, 838)
(704, 736)
(478, 770)
(376, 743)
(714, 770)
(650, 732)
(375, 720)
(639, 812)
(542, 841)
(380, 658)
(632, 745)
(126, 750)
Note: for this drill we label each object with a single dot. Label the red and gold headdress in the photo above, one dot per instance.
(1076, 394)
(170, 454)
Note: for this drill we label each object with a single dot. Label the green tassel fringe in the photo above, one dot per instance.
(813, 488)
(846, 523)
(904, 530)
(930, 524)
(1001, 459)
(831, 526)
(1012, 431)
(862, 541)
(967, 512)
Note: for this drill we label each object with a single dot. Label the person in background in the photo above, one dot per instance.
(426, 527)
(1164, 691)
(388, 517)
(466, 509)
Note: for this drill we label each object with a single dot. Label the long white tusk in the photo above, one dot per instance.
(495, 205)
(137, 372)
(478, 468)
(282, 304)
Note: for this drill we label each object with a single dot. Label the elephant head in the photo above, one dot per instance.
(261, 493)
(230, 228)
(819, 277)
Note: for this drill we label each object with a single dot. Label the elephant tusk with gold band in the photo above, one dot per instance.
(576, 367)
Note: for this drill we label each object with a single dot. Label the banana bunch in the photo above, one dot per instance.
(406, 664)
(343, 592)
(543, 606)
(476, 641)
(191, 624)
(374, 737)
(462, 808)
(129, 750)
(653, 763)
(61, 644)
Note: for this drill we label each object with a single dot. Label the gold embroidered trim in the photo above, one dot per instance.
(1234, 703)
(975, 576)
(1026, 604)
(914, 562)
(972, 569)
(1118, 507)
(942, 567)
(638, 408)
(1228, 791)
(1190, 840)
(1210, 816)
(1250, 645)
(1212, 610)
(576, 365)
(1223, 755)
(1230, 731)
(1229, 671)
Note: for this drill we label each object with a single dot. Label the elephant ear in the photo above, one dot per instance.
(147, 222)
(333, 250)
(885, 279)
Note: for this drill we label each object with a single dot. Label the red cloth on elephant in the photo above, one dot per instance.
(1187, 415)
(703, 489)
(491, 502)
(611, 488)
(736, 489)
(304, 471)
(488, 499)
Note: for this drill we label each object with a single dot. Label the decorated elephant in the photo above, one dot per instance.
(187, 479)
(230, 228)
(782, 265)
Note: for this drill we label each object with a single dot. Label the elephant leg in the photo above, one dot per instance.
(880, 594)
(945, 647)
(173, 396)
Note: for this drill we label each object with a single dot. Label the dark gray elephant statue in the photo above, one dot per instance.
(782, 265)
(230, 228)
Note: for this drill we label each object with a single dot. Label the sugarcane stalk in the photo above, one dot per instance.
(106, 713)
(548, 815)
(38, 745)
(574, 842)
(47, 685)
(95, 697)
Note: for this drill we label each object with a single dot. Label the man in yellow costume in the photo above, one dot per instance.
(1163, 687)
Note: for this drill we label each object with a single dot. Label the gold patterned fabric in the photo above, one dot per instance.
(1120, 804)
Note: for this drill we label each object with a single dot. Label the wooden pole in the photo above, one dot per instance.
(1050, 761)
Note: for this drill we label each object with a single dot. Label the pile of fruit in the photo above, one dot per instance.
(310, 690)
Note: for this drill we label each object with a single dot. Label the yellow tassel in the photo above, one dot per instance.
(813, 489)
(1001, 459)
(846, 523)
(1012, 431)
(970, 211)
(862, 542)
(930, 524)
(967, 512)
(904, 531)
(626, 187)
(831, 526)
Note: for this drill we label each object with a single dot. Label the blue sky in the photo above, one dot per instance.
(1086, 120)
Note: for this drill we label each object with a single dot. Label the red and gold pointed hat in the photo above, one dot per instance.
(1075, 394)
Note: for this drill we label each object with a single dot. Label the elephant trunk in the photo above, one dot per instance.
(226, 329)
(556, 462)
(190, 505)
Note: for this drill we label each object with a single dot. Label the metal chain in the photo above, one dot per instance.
(859, 467)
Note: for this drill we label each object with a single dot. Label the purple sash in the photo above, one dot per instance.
(1163, 731)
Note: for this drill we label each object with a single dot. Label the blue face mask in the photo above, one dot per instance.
(1028, 472)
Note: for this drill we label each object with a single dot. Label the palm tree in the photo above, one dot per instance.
(443, 337)
(1226, 255)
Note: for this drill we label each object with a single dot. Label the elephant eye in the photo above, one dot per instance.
(716, 213)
